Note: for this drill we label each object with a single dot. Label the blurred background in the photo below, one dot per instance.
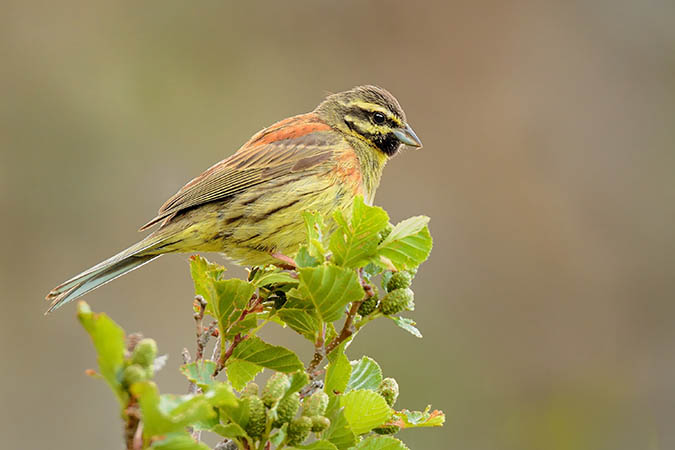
(547, 306)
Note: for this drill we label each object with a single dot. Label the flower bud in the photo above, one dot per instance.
(275, 388)
(257, 416)
(298, 430)
(315, 404)
(133, 374)
(385, 232)
(250, 389)
(319, 423)
(144, 353)
(368, 306)
(287, 409)
(397, 300)
(389, 391)
(399, 280)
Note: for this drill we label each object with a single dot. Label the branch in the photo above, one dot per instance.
(319, 352)
(254, 303)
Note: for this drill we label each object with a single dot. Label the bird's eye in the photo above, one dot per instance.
(379, 118)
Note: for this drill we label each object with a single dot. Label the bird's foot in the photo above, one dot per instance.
(286, 262)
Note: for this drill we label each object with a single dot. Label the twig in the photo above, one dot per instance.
(319, 352)
(225, 356)
(138, 437)
(199, 306)
(186, 356)
(131, 424)
(216, 350)
(347, 329)
(253, 305)
(203, 339)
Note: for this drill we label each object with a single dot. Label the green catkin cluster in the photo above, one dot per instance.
(144, 353)
(257, 416)
(275, 389)
(141, 363)
(315, 404)
(298, 430)
(368, 306)
(397, 300)
(319, 423)
(133, 374)
(287, 409)
(387, 429)
(384, 233)
(399, 280)
(314, 408)
(250, 389)
(389, 391)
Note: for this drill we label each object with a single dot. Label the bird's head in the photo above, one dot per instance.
(372, 114)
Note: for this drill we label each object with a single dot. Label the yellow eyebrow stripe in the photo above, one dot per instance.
(373, 107)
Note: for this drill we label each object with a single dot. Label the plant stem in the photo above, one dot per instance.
(254, 302)
(319, 351)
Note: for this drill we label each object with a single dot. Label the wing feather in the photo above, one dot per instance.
(292, 145)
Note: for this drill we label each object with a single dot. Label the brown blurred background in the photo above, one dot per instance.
(547, 305)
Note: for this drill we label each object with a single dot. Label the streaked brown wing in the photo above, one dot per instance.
(292, 145)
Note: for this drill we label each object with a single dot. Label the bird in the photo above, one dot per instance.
(249, 206)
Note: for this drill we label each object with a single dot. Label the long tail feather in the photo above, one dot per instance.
(100, 274)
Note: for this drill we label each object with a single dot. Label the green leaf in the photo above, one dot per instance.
(172, 413)
(371, 270)
(243, 326)
(365, 374)
(407, 324)
(330, 289)
(272, 276)
(304, 259)
(227, 299)
(317, 445)
(230, 431)
(240, 373)
(269, 356)
(381, 443)
(302, 321)
(355, 243)
(159, 420)
(251, 355)
(337, 373)
(315, 228)
(409, 243)
(108, 339)
(199, 372)
(299, 380)
(365, 410)
(203, 273)
(418, 419)
(277, 438)
(339, 432)
(178, 441)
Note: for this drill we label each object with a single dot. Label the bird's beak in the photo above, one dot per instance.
(407, 136)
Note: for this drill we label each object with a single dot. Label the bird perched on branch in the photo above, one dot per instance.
(249, 206)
